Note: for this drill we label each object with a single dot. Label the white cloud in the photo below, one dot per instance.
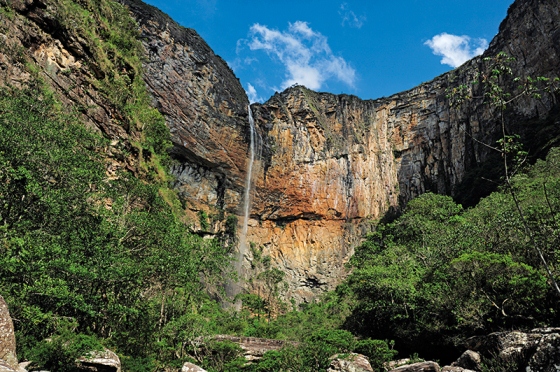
(305, 54)
(252, 94)
(350, 18)
(456, 50)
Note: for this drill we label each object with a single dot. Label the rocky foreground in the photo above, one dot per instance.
(537, 350)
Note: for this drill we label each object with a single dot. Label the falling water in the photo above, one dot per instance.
(233, 289)
(247, 197)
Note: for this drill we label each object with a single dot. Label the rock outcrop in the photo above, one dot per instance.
(350, 363)
(469, 360)
(64, 61)
(8, 357)
(254, 347)
(537, 350)
(189, 367)
(100, 361)
(419, 367)
(205, 108)
(456, 369)
(327, 162)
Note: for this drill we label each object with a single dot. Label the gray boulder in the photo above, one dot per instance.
(469, 360)
(546, 357)
(350, 363)
(100, 361)
(8, 358)
(536, 350)
(419, 367)
(189, 367)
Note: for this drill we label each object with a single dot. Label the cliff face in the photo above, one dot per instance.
(205, 108)
(327, 162)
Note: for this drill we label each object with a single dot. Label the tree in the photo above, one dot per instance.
(494, 78)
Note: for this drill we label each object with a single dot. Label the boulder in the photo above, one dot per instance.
(8, 358)
(469, 360)
(455, 369)
(253, 347)
(4, 367)
(189, 367)
(546, 357)
(388, 366)
(350, 363)
(419, 367)
(536, 350)
(100, 361)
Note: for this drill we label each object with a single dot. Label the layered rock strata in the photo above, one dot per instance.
(36, 45)
(328, 162)
(205, 108)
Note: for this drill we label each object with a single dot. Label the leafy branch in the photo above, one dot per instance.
(493, 82)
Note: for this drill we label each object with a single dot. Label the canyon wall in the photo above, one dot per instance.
(328, 163)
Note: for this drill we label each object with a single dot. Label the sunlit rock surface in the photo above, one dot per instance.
(328, 163)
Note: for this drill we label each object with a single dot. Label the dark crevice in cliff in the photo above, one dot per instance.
(285, 220)
(263, 124)
(538, 136)
(221, 192)
(186, 156)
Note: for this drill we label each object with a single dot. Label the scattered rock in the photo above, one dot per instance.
(350, 363)
(419, 367)
(22, 367)
(189, 367)
(8, 356)
(396, 363)
(469, 360)
(547, 355)
(4, 367)
(100, 361)
(455, 369)
(537, 350)
(253, 347)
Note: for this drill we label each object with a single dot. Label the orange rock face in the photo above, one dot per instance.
(326, 165)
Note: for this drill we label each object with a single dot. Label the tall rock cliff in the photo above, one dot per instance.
(205, 108)
(328, 163)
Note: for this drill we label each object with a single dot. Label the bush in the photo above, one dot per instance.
(378, 352)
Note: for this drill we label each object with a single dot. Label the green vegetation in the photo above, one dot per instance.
(439, 273)
(89, 261)
(108, 257)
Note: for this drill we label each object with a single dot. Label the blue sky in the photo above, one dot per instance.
(367, 48)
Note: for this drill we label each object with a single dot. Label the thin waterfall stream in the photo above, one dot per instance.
(247, 196)
(233, 289)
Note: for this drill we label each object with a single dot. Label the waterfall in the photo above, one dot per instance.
(247, 196)
(233, 289)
